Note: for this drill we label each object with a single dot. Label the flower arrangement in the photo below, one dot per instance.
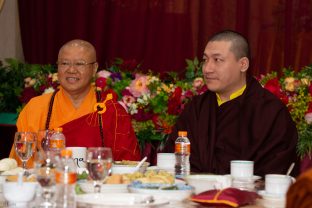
(154, 101)
(295, 90)
(19, 82)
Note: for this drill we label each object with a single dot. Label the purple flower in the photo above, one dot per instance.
(116, 76)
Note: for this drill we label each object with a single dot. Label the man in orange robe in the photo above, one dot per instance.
(76, 107)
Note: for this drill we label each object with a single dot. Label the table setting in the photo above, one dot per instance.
(103, 182)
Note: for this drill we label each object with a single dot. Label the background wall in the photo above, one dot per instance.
(160, 33)
(10, 36)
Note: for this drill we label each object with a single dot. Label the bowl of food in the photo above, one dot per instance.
(127, 166)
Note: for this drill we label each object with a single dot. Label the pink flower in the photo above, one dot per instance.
(138, 86)
(104, 74)
(198, 83)
(308, 118)
(128, 99)
(202, 90)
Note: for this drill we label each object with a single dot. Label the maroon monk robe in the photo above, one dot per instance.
(254, 126)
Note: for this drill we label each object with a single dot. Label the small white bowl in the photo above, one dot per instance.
(88, 187)
(19, 194)
(121, 169)
(203, 183)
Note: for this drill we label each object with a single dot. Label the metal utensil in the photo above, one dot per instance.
(291, 167)
(140, 163)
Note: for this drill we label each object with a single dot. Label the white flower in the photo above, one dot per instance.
(48, 90)
(104, 73)
(29, 82)
(144, 99)
(153, 79)
(133, 109)
(54, 77)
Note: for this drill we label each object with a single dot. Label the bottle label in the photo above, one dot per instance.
(65, 178)
(57, 143)
(183, 148)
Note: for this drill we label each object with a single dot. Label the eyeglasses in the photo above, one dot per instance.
(77, 64)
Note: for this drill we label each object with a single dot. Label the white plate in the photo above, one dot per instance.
(87, 186)
(271, 196)
(269, 200)
(119, 200)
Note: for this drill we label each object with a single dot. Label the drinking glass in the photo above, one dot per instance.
(99, 163)
(45, 165)
(25, 145)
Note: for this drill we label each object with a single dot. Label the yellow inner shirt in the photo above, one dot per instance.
(232, 96)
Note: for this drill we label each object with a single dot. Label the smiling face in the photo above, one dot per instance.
(223, 72)
(76, 67)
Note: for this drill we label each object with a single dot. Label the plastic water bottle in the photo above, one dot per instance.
(57, 141)
(66, 177)
(182, 155)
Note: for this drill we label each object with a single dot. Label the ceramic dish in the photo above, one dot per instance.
(119, 200)
(121, 167)
(175, 192)
(205, 182)
(87, 187)
(269, 200)
(271, 196)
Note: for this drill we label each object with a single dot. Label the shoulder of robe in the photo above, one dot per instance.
(40, 100)
(207, 96)
(268, 98)
(38, 103)
(113, 106)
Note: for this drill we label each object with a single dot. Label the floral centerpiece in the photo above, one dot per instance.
(295, 90)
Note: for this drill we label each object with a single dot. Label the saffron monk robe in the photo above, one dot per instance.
(81, 126)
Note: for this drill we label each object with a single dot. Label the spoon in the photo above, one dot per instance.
(291, 167)
(20, 179)
(140, 164)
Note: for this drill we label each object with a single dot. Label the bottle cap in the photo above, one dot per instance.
(182, 133)
(66, 152)
(58, 129)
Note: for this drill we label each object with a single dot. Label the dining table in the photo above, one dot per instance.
(171, 204)
(186, 203)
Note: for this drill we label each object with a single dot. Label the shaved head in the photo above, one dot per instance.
(80, 45)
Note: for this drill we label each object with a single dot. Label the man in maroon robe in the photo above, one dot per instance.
(236, 119)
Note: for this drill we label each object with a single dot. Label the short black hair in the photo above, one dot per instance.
(240, 45)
